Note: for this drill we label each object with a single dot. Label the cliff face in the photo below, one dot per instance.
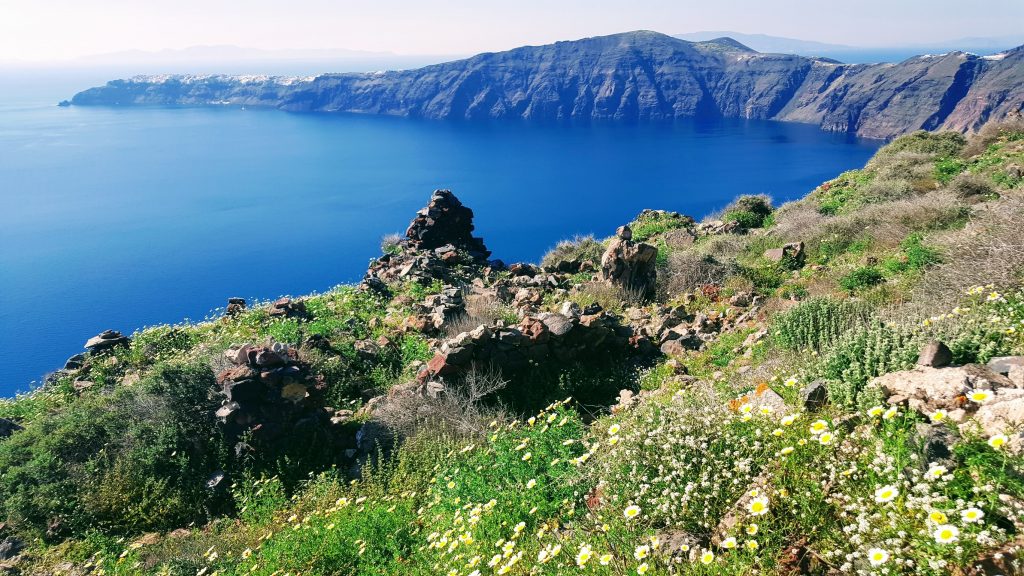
(632, 76)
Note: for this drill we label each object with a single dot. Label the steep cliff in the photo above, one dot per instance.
(632, 76)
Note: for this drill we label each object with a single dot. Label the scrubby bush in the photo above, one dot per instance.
(886, 190)
(656, 222)
(817, 323)
(688, 271)
(915, 168)
(580, 249)
(1011, 130)
(938, 144)
(861, 278)
(135, 460)
(750, 211)
(969, 186)
(867, 351)
(391, 244)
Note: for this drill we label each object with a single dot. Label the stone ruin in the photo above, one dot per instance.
(269, 392)
(571, 335)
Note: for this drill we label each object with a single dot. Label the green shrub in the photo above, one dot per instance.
(817, 323)
(651, 223)
(865, 352)
(948, 168)
(131, 461)
(861, 278)
(941, 144)
(914, 256)
(749, 211)
(836, 245)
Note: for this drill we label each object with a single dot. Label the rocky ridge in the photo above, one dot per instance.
(632, 76)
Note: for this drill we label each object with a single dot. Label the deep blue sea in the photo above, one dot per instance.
(122, 218)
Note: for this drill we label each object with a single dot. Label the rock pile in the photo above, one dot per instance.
(630, 265)
(287, 308)
(235, 306)
(106, 340)
(674, 330)
(269, 391)
(436, 311)
(437, 245)
(445, 221)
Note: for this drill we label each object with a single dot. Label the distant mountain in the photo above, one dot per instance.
(631, 76)
(769, 44)
(859, 54)
(227, 53)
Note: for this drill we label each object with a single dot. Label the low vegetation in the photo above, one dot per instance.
(709, 461)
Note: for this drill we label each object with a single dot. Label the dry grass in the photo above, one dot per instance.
(988, 250)
(607, 296)
(887, 223)
(989, 133)
(458, 411)
(579, 248)
(688, 271)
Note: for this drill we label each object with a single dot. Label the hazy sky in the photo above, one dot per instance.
(57, 29)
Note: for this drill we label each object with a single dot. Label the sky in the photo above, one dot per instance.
(63, 29)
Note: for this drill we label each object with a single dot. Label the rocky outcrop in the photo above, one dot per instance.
(632, 76)
(630, 265)
(974, 397)
(106, 340)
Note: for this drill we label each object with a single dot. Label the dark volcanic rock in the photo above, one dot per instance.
(8, 427)
(445, 222)
(632, 76)
(106, 340)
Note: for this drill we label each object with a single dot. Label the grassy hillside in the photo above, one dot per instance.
(761, 445)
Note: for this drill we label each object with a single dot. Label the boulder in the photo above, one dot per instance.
(814, 396)
(106, 340)
(926, 389)
(935, 354)
(1009, 366)
(235, 306)
(793, 251)
(287, 308)
(8, 427)
(557, 324)
(10, 547)
(630, 265)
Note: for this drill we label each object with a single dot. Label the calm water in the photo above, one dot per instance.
(121, 218)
